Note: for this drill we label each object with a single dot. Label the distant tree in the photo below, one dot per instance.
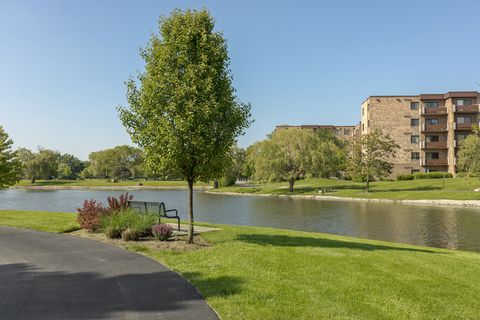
(47, 161)
(371, 157)
(69, 167)
(469, 155)
(10, 167)
(185, 114)
(120, 162)
(285, 155)
(327, 153)
(236, 168)
(29, 164)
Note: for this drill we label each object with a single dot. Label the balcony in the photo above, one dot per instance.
(463, 126)
(442, 127)
(434, 145)
(434, 111)
(473, 108)
(434, 162)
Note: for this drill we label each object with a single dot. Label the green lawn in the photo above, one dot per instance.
(40, 220)
(107, 183)
(262, 273)
(454, 189)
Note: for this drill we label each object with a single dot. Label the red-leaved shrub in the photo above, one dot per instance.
(90, 215)
(116, 205)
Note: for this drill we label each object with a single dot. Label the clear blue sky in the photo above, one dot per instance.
(63, 63)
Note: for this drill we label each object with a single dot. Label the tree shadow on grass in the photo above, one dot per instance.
(222, 286)
(289, 241)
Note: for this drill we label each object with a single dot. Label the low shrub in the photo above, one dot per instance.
(464, 175)
(162, 231)
(131, 234)
(115, 224)
(432, 175)
(404, 177)
(90, 215)
(112, 233)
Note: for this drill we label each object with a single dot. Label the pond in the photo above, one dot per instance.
(436, 226)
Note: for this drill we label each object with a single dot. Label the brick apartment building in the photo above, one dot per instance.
(428, 127)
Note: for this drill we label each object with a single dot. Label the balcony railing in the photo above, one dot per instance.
(434, 111)
(463, 126)
(434, 127)
(434, 162)
(434, 145)
(473, 108)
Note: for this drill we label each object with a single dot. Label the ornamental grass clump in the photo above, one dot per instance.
(162, 231)
(127, 224)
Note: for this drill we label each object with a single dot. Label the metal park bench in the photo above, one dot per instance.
(155, 207)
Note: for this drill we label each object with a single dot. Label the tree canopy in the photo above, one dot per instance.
(10, 167)
(293, 154)
(184, 112)
(469, 154)
(371, 157)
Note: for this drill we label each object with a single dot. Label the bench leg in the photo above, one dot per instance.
(178, 223)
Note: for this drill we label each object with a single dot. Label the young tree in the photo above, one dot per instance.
(10, 167)
(285, 155)
(184, 113)
(469, 154)
(370, 158)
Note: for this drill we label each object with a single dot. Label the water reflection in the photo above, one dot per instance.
(446, 227)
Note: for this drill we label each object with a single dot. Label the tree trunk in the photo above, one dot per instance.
(190, 212)
(290, 183)
(33, 180)
(368, 184)
(215, 184)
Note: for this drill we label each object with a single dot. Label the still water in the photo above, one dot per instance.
(436, 226)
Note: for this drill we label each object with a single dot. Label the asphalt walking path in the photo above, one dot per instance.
(54, 276)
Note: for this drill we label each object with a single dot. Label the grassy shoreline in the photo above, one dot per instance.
(105, 183)
(264, 273)
(424, 189)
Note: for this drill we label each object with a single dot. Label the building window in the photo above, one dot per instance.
(432, 138)
(433, 155)
(414, 122)
(346, 132)
(414, 139)
(460, 137)
(415, 155)
(464, 102)
(466, 120)
(413, 105)
(432, 121)
(363, 126)
(431, 104)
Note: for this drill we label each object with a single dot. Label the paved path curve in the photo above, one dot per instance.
(54, 276)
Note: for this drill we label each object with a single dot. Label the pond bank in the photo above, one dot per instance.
(109, 187)
(436, 202)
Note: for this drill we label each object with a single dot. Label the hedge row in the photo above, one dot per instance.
(424, 175)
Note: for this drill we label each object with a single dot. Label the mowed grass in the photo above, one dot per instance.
(262, 273)
(106, 183)
(57, 222)
(452, 189)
